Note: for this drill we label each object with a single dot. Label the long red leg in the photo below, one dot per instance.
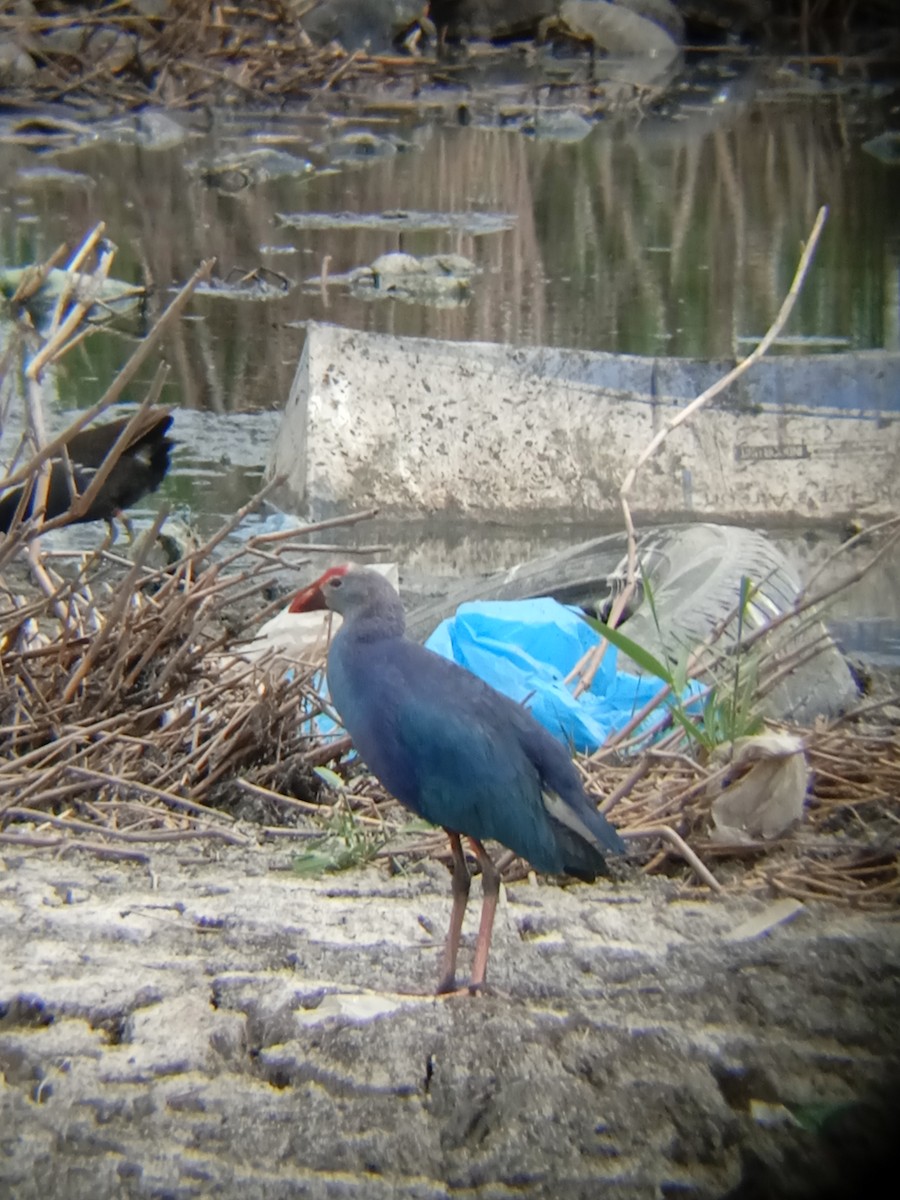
(490, 886)
(460, 885)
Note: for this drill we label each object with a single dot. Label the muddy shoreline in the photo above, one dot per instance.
(214, 1025)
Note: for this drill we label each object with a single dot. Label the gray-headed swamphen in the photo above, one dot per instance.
(140, 468)
(454, 751)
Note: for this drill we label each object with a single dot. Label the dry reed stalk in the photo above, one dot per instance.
(197, 53)
(587, 668)
(124, 695)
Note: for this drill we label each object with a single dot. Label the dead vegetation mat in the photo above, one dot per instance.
(182, 54)
(192, 52)
(188, 53)
(128, 719)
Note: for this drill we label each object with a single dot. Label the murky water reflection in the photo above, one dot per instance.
(674, 237)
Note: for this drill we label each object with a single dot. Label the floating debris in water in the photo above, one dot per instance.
(50, 176)
(149, 130)
(436, 279)
(279, 250)
(236, 171)
(47, 132)
(885, 147)
(565, 126)
(475, 223)
(361, 147)
(259, 284)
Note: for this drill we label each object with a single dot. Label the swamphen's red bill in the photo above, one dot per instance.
(312, 598)
(454, 751)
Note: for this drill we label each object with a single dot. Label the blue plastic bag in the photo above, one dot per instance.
(525, 649)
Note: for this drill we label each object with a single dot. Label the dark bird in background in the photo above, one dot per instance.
(454, 751)
(140, 468)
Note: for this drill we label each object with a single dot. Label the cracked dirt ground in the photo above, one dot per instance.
(218, 1026)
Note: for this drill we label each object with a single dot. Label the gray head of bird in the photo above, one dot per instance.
(357, 594)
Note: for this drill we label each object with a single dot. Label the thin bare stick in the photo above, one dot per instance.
(302, 531)
(675, 839)
(90, 286)
(720, 385)
(33, 280)
(859, 538)
(74, 265)
(303, 806)
(64, 845)
(164, 835)
(684, 414)
(626, 785)
(168, 798)
(124, 594)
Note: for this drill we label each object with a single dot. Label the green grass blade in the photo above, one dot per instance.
(643, 658)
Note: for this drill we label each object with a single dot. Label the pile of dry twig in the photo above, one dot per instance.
(115, 723)
(122, 718)
(191, 52)
(846, 849)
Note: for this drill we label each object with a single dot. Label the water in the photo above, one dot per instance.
(673, 236)
(665, 235)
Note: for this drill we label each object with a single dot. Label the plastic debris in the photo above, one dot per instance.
(290, 639)
(768, 799)
(525, 649)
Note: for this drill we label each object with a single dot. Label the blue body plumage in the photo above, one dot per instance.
(454, 750)
(461, 755)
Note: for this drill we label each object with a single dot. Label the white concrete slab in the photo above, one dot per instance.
(427, 427)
